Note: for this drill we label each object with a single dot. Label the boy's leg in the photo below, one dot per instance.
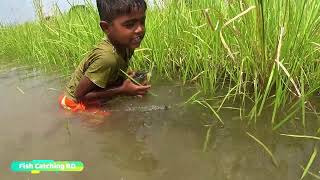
(93, 107)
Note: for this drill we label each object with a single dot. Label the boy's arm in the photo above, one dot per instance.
(86, 90)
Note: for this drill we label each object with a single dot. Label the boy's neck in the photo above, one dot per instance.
(123, 51)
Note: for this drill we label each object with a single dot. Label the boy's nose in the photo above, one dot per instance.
(140, 29)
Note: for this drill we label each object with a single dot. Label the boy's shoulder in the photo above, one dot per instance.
(105, 48)
(105, 52)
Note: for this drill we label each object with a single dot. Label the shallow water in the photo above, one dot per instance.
(137, 142)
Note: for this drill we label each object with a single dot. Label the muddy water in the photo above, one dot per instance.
(136, 142)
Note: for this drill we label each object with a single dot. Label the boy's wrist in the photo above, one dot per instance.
(120, 90)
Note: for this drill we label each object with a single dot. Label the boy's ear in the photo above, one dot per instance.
(105, 26)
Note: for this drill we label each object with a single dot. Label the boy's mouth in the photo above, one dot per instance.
(137, 40)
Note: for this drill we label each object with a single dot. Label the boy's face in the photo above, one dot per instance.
(126, 30)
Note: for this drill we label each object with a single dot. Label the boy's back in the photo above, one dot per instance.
(100, 75)
(102, 66)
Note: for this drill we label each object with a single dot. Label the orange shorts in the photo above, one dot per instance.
(93, 107)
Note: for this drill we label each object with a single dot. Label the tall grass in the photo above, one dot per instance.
(266, 51)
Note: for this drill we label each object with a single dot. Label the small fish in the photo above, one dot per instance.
(140, 76)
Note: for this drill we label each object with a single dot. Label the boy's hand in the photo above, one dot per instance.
(131, 89)
(131, 73)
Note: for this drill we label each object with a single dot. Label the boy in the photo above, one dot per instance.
(99, 76)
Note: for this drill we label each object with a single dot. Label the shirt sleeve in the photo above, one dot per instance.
(100, 70)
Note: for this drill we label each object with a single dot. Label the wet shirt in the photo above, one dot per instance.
(102, 66)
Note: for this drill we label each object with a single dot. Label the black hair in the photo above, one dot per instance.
(110, 9)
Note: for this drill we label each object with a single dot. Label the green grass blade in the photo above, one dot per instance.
(284, 120)
(214, 112)
(265, 148)
(301, 136)
(313, 156)
(136, 82)
(311, 174)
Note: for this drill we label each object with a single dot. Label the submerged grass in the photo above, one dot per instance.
(301, 136)
(207, 139)
(311, 174)
(267, 52)
(274, 160)
(313, 156)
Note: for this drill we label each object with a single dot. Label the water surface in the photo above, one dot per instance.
(136, 142)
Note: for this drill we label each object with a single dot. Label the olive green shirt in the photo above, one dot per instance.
(102, 66)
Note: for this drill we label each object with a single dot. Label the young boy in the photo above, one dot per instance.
(99, 76)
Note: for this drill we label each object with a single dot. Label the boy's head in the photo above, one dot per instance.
(123, 21)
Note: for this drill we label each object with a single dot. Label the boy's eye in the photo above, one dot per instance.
(129, 25)
(134, 23)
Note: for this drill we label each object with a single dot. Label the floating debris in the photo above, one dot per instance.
(53, 89)
(19, 89)
(147, 108)
(144, 108)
